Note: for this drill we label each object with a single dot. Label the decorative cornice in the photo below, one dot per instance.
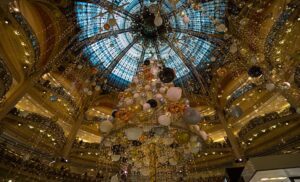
(30, 35)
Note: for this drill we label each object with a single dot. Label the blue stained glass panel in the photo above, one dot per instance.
(91, 18)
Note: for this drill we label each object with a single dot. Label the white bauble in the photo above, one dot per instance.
(173, 162)
(146, 106)
(174, 94)
(133, 133)
(106, 126)
(158, 21)
(89, 92)
(115, 157)
(162, 90)
(221, 28)
(233, 48)
(195, 127)
(158, 96)
(136, 95)
(114, 178)
(203, 135)
(79, 66)
(97, 88)
(186, 19)
(270, 86)
(164, 120)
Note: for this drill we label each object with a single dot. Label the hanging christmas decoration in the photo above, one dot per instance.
(106, 126)
(270, 86)
(255, 71)
(106, 26)
(191, 116)
(186, 19)
(133, 133)
(166, 75)
(158, 21)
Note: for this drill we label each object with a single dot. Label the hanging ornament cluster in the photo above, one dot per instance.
(153, 93)
(170, 147)
(148, 109)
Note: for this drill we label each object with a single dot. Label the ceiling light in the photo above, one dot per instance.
(16, 9)
(272, 179)
(16, 32)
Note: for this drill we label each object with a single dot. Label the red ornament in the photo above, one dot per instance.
(94, 71)
(106, 26)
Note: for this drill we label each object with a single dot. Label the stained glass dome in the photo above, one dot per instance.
(118, 50)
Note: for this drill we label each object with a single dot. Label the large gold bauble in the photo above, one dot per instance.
(137, 108)
(175, 108)
(112, 22)
(182, 137)
(119, 134)
(123, 114)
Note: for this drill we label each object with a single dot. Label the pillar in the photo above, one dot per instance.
(77, 124)
(231, 137)
(72, 136)
(14, 97)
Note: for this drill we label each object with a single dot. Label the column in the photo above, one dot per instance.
(77, 124)
(14, 97)
(72, 135)
(233, 140)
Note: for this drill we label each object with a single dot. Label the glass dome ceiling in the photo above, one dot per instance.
(119, 50)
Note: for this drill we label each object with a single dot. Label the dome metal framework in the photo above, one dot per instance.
(118, 50)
